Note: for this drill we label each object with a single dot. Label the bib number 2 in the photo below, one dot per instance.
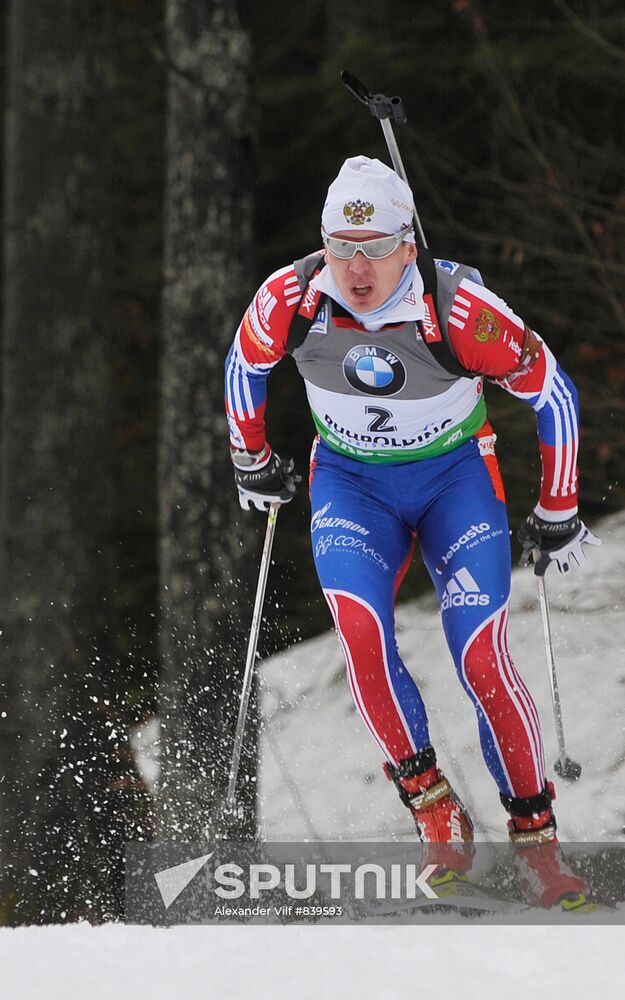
(381, 420)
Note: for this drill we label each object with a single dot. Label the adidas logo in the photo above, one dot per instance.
(462, 591)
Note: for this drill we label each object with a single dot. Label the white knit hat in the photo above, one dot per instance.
(367, 194)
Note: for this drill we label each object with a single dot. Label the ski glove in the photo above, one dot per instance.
(263, 478)
(561, 542)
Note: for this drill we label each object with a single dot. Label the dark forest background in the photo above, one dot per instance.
(160, 158)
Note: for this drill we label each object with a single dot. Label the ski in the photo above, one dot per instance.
(457, 892)
(456, 889)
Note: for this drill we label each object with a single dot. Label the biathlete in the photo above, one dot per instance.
(394, 348)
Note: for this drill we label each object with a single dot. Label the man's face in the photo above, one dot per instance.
(365, 284)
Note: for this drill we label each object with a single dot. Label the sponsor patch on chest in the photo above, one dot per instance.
(374, 370)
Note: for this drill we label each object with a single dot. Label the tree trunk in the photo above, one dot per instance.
(205, 603)
(65, 772)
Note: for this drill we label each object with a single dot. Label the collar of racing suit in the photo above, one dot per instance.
(403, 305)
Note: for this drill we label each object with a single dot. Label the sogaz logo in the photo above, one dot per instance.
(374, 370)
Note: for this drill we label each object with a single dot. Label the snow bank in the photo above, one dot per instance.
(308, 963)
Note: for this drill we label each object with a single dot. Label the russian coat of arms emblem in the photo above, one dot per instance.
(486, 327)
(358, 212)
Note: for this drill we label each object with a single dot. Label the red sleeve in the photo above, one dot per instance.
(485, 335)
(259, 343)
(265, 325)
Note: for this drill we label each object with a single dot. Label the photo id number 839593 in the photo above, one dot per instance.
(318, 911)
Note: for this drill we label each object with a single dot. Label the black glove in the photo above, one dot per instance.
(560, 542)
(263, 478)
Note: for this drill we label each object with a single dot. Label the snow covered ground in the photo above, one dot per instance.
(311, 963)
(321, 771)
(321, 777)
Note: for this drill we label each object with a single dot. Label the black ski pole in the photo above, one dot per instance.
(384, 109)
(229, 813)
(565, 766)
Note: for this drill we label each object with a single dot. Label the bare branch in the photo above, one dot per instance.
(588, 31)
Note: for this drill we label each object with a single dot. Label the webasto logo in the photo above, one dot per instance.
(473, 532)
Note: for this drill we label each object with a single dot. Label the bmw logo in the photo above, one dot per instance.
(374, 370)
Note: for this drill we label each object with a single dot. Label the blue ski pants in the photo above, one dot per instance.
(366, 520)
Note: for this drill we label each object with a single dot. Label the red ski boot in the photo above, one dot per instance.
(439, 815)
(543, 874)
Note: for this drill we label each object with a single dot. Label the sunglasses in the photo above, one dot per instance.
(376, 249)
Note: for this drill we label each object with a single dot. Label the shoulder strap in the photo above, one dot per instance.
(310, 305)
(429, 327)
(312, 301)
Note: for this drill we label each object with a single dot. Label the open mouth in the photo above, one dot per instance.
(361, 290)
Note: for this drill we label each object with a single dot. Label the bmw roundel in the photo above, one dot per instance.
(374, 370)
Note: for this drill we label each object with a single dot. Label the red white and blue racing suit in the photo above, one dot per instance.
(405, 456)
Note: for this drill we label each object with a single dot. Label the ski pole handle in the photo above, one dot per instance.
(384, 109)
